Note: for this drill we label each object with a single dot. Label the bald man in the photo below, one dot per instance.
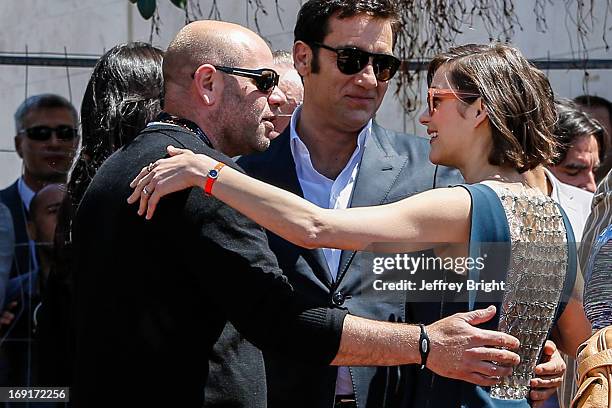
(158, 302)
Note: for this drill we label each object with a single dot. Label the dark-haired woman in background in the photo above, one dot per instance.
(124, 93)
(122, 96)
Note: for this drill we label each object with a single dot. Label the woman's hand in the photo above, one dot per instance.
(548, 375)
(184, 169)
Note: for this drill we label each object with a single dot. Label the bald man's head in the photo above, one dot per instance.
(207, 42)
(43, 212)
(229, 106)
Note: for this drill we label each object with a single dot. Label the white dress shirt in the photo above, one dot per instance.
(575, 202)
(25, 192)
(327, 193)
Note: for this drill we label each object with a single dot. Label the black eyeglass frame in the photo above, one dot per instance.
(393, 62)
(60, 133)
(256, 74)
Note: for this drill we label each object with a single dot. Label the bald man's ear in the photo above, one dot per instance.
(302, 57)
(208, 84)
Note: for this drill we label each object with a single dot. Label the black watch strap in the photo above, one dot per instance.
(423, 346)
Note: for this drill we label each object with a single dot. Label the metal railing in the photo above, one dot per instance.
(88, 61)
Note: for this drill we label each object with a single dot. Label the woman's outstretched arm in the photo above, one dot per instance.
(435, 216)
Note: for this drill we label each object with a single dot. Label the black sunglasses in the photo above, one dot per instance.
(265, 79)
(43, 133)
(353, 60)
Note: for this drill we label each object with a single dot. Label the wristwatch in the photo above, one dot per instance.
(212, 176)
(423, 345)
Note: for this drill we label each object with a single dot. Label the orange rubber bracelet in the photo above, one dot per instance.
(212, 177)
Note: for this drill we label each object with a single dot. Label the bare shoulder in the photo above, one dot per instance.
(450, 197)
(439, 215)
(438, 207)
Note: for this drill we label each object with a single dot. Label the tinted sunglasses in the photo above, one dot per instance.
(352, 60)
(265, 79)
(43, 133)
(439, 93)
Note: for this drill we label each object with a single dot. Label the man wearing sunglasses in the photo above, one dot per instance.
(335, 155)
(46, 140)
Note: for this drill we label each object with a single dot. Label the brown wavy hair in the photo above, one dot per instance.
(518, 98)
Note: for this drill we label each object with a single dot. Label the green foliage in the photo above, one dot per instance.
(179, 3)
(147, 8)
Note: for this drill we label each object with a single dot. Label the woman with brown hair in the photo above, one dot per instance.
(490, 114)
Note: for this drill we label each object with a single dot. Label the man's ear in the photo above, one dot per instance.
(18, 139)
(208, 83)
(481, 112)
(302, 57)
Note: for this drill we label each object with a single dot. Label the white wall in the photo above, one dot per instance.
(93, 26)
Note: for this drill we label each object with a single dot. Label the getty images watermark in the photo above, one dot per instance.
(432, 276)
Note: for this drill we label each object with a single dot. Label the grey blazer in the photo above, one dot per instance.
(394, 166)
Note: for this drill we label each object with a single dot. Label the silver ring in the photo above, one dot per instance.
(144, 191)
(150, 167)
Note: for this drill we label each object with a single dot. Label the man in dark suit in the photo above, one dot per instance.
(46, 140)
(336, 156)
(155, 299)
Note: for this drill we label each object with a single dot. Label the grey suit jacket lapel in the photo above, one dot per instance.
(285, 174)
(282, 167)
(380, 166)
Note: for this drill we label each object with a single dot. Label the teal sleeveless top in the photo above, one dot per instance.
(490, 232)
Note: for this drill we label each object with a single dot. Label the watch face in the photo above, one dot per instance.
(424, 346)
(213, 173)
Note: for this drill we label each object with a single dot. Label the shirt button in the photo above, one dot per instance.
(338, 299)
